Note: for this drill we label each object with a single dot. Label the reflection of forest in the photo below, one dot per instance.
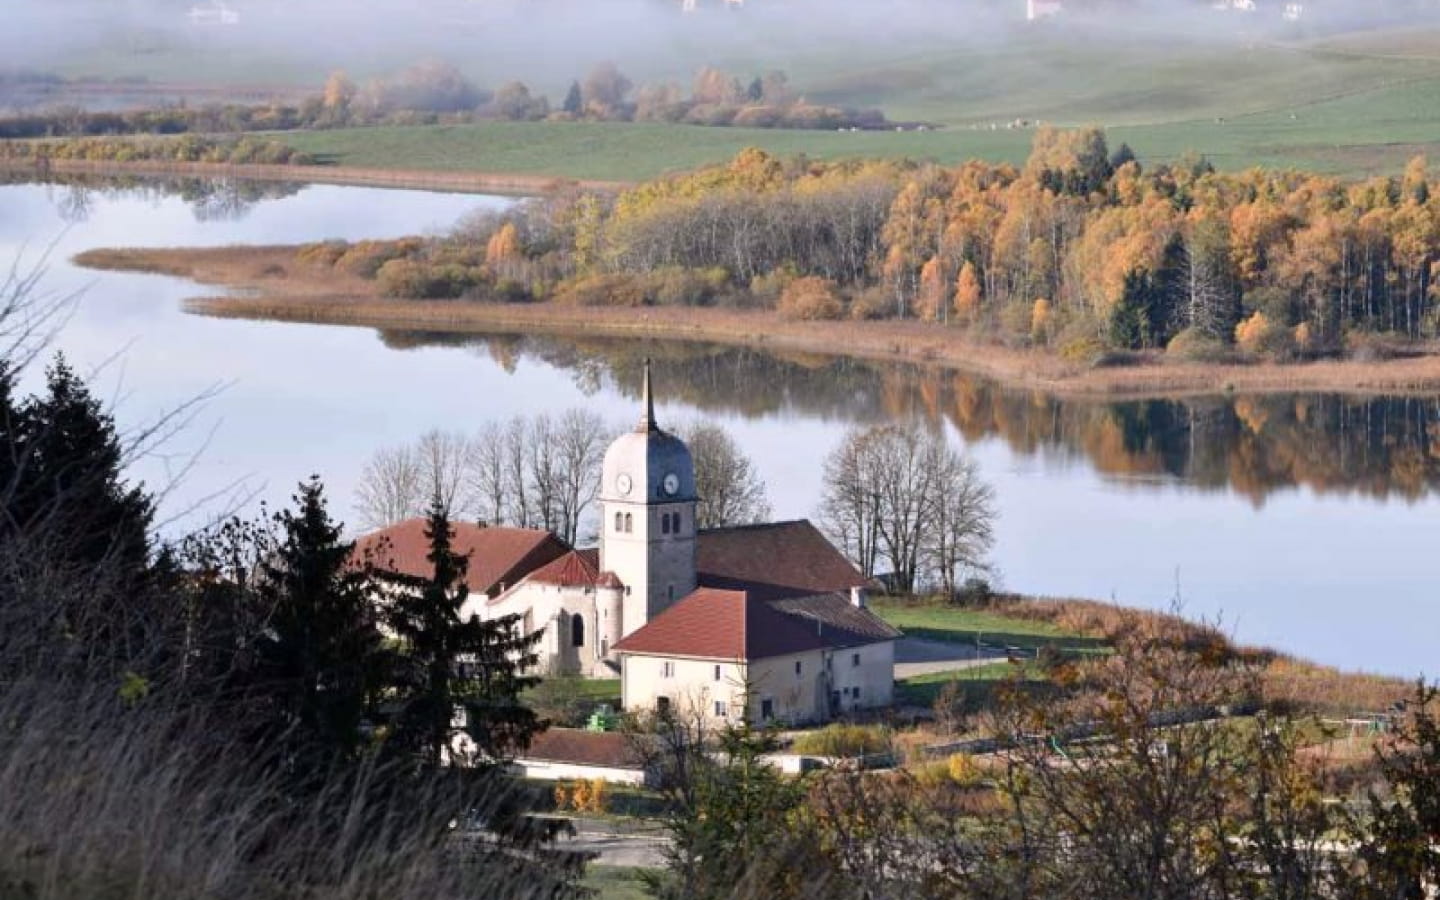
(1252, 445)
(211, 199)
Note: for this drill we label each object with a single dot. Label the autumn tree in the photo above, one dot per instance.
(603, 92)
(967, 293)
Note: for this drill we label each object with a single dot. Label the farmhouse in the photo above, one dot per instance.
(761, 620)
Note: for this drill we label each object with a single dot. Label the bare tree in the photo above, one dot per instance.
(897, 495)
(542, 467)
(579, 448)
(392, 488)
(488, 479)
(516, 439)
(731, 491)
(443, 456)
(962, 517)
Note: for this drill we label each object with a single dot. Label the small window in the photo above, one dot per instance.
(577, 630)
(854, 659)
(767, 710)
(662, 706)
(665, 523)
(717, 673)
(798, 667)
(675, 526)
(619, 522)
(720, 708)
(667, 669)
(670, 592)
(628, 523)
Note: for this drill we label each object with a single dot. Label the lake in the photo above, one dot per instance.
(1304, 522)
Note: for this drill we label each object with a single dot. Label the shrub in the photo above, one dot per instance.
(364, 258)
(602, 290)
(1194, 345)
(872, 303)
(413, 280)
(1041, 315)
(810, 298)
(1262, 335)
(323, 253)
(768, 287)
(678, 286)
(841, 739)
(1084, 350)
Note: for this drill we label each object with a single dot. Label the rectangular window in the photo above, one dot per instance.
(854, 659)
(767, 710)
(720, 708)
(667, 669)
(717, 673)
(798, 666)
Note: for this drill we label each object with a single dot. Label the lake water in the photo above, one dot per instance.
(1308, 523)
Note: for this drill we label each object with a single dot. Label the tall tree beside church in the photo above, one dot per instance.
(320, 662)
(731, 491)
(446, 662)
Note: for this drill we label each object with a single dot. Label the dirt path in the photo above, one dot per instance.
(917, 656)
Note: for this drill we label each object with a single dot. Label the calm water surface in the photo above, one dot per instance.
(1307, 522)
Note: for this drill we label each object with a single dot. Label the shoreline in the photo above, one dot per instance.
(265, 287)
(461, 182)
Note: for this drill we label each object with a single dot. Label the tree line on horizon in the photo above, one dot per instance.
(434, 92)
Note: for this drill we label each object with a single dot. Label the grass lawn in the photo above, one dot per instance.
(615, 882)
(976, 683)
(1352, 109)
(936, 622)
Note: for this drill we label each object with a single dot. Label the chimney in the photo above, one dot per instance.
(857, 597)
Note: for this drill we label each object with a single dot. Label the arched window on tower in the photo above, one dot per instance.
(619, 522)
(664, 523)
(577, 630)
(628, 523)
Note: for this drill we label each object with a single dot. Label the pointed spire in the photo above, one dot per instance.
(647, 421)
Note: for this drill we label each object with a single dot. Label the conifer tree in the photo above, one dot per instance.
(574, 102)
(319, 661)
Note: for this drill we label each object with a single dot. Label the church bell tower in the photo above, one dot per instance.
(647, 516)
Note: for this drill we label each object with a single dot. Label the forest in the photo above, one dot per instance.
(1081, 250)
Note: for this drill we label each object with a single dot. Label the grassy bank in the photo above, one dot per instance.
(272, 285)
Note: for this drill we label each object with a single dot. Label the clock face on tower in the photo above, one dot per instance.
(671, 484)
(622, 483)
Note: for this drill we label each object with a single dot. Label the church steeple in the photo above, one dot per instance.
(647, 421)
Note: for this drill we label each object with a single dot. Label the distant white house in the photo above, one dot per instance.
(1035, 10)
(213, 13)
(1293, 11)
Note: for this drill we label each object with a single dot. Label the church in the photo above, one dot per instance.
(766, 621)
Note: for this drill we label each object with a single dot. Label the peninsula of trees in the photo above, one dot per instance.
(1081, 253)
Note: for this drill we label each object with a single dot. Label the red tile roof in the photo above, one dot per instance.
(773, 561)
(720, 624)
(586, 748)
(571, 570)
(498, 556)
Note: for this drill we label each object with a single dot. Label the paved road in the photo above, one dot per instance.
(917, 656)
(644, 850)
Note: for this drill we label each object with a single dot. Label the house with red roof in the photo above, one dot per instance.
(762, 620)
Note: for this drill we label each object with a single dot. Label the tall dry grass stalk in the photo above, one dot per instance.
(104, 799)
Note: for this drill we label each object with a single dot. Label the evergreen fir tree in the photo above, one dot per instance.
(574, 103)
(319, 661)
(65, 466)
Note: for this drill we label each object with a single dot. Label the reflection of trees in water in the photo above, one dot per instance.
(210, 199)
(1252, 445)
